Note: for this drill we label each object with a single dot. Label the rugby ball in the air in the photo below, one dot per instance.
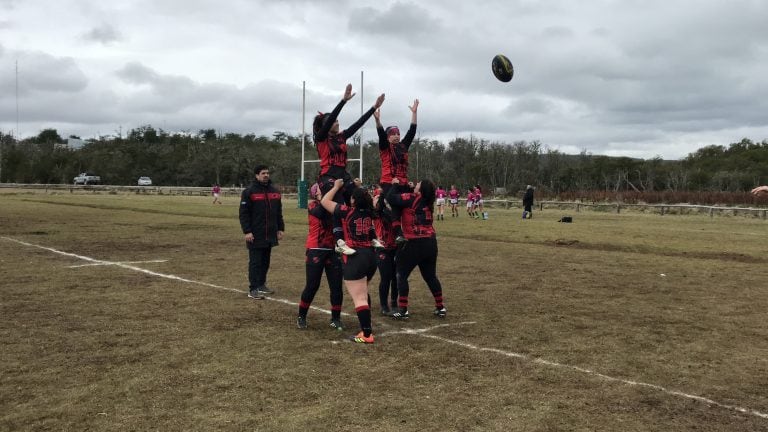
(502, 68)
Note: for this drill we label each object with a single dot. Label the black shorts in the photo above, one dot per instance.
(360, 265)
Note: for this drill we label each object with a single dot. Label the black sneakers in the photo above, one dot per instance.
(400, 313)
(256, 295)
(301, 322)
(336, 324)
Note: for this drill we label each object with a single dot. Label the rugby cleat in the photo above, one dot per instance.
(342, 248)
(336, 324)
(400, 313)
(440, 312)
(360, 338)
(301, 322)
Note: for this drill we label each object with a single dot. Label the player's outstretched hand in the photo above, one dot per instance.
(348, 93)
(415, 106)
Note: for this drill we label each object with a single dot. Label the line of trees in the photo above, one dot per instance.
(206, 157)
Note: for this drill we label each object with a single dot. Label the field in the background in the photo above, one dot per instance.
(616, 322)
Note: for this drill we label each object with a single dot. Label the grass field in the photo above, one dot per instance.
(129, 313)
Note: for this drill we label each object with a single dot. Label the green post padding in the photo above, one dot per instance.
(303, 193)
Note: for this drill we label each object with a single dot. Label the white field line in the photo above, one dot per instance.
(423, 333)
(117, 262)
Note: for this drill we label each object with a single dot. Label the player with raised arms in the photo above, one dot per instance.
(393, 153)
(331, 144)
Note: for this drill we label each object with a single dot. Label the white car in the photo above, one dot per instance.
(145, 181)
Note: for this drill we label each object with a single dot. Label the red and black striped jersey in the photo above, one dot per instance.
(416, 216)
(394, 159)
(385, 233)
(320, 235)
(357, 225)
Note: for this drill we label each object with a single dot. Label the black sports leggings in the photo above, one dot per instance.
(385, 260)
(317, 262)
(421, 252)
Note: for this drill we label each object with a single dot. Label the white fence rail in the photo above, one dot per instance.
(662, 209)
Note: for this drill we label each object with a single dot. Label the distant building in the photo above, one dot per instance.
(74, 143)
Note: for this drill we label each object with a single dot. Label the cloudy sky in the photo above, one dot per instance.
(614, 77)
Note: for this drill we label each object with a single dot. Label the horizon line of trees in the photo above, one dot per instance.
(207, 157)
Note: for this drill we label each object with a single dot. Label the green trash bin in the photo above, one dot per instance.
(303, 193)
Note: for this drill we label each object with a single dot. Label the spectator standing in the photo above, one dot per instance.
(528, 203)
(261, 219)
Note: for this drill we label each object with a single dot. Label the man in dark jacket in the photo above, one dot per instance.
(261, 218)
(528, 203)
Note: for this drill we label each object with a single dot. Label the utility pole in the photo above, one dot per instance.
(2, 144)
(361, 129)
(17, 100)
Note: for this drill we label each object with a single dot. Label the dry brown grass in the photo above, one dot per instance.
(111, 348)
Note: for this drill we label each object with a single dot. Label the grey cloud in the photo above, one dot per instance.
(40, 73)
(104, 34)
(557, 32)
(403, 20)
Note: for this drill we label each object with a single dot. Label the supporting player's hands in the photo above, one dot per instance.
(395, 180)
(348, 93)
(379, 101)
(338, 183)
(357, 182)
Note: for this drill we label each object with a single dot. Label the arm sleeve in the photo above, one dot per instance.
(245, 212)
(383, 142)
(317, 212)
(323, 133)
(396, 200)
(280, 221)
(409, 136)
(359, 123)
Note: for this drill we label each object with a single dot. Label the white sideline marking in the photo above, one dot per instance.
(117, 262)
(424, 330)
(423, 333)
